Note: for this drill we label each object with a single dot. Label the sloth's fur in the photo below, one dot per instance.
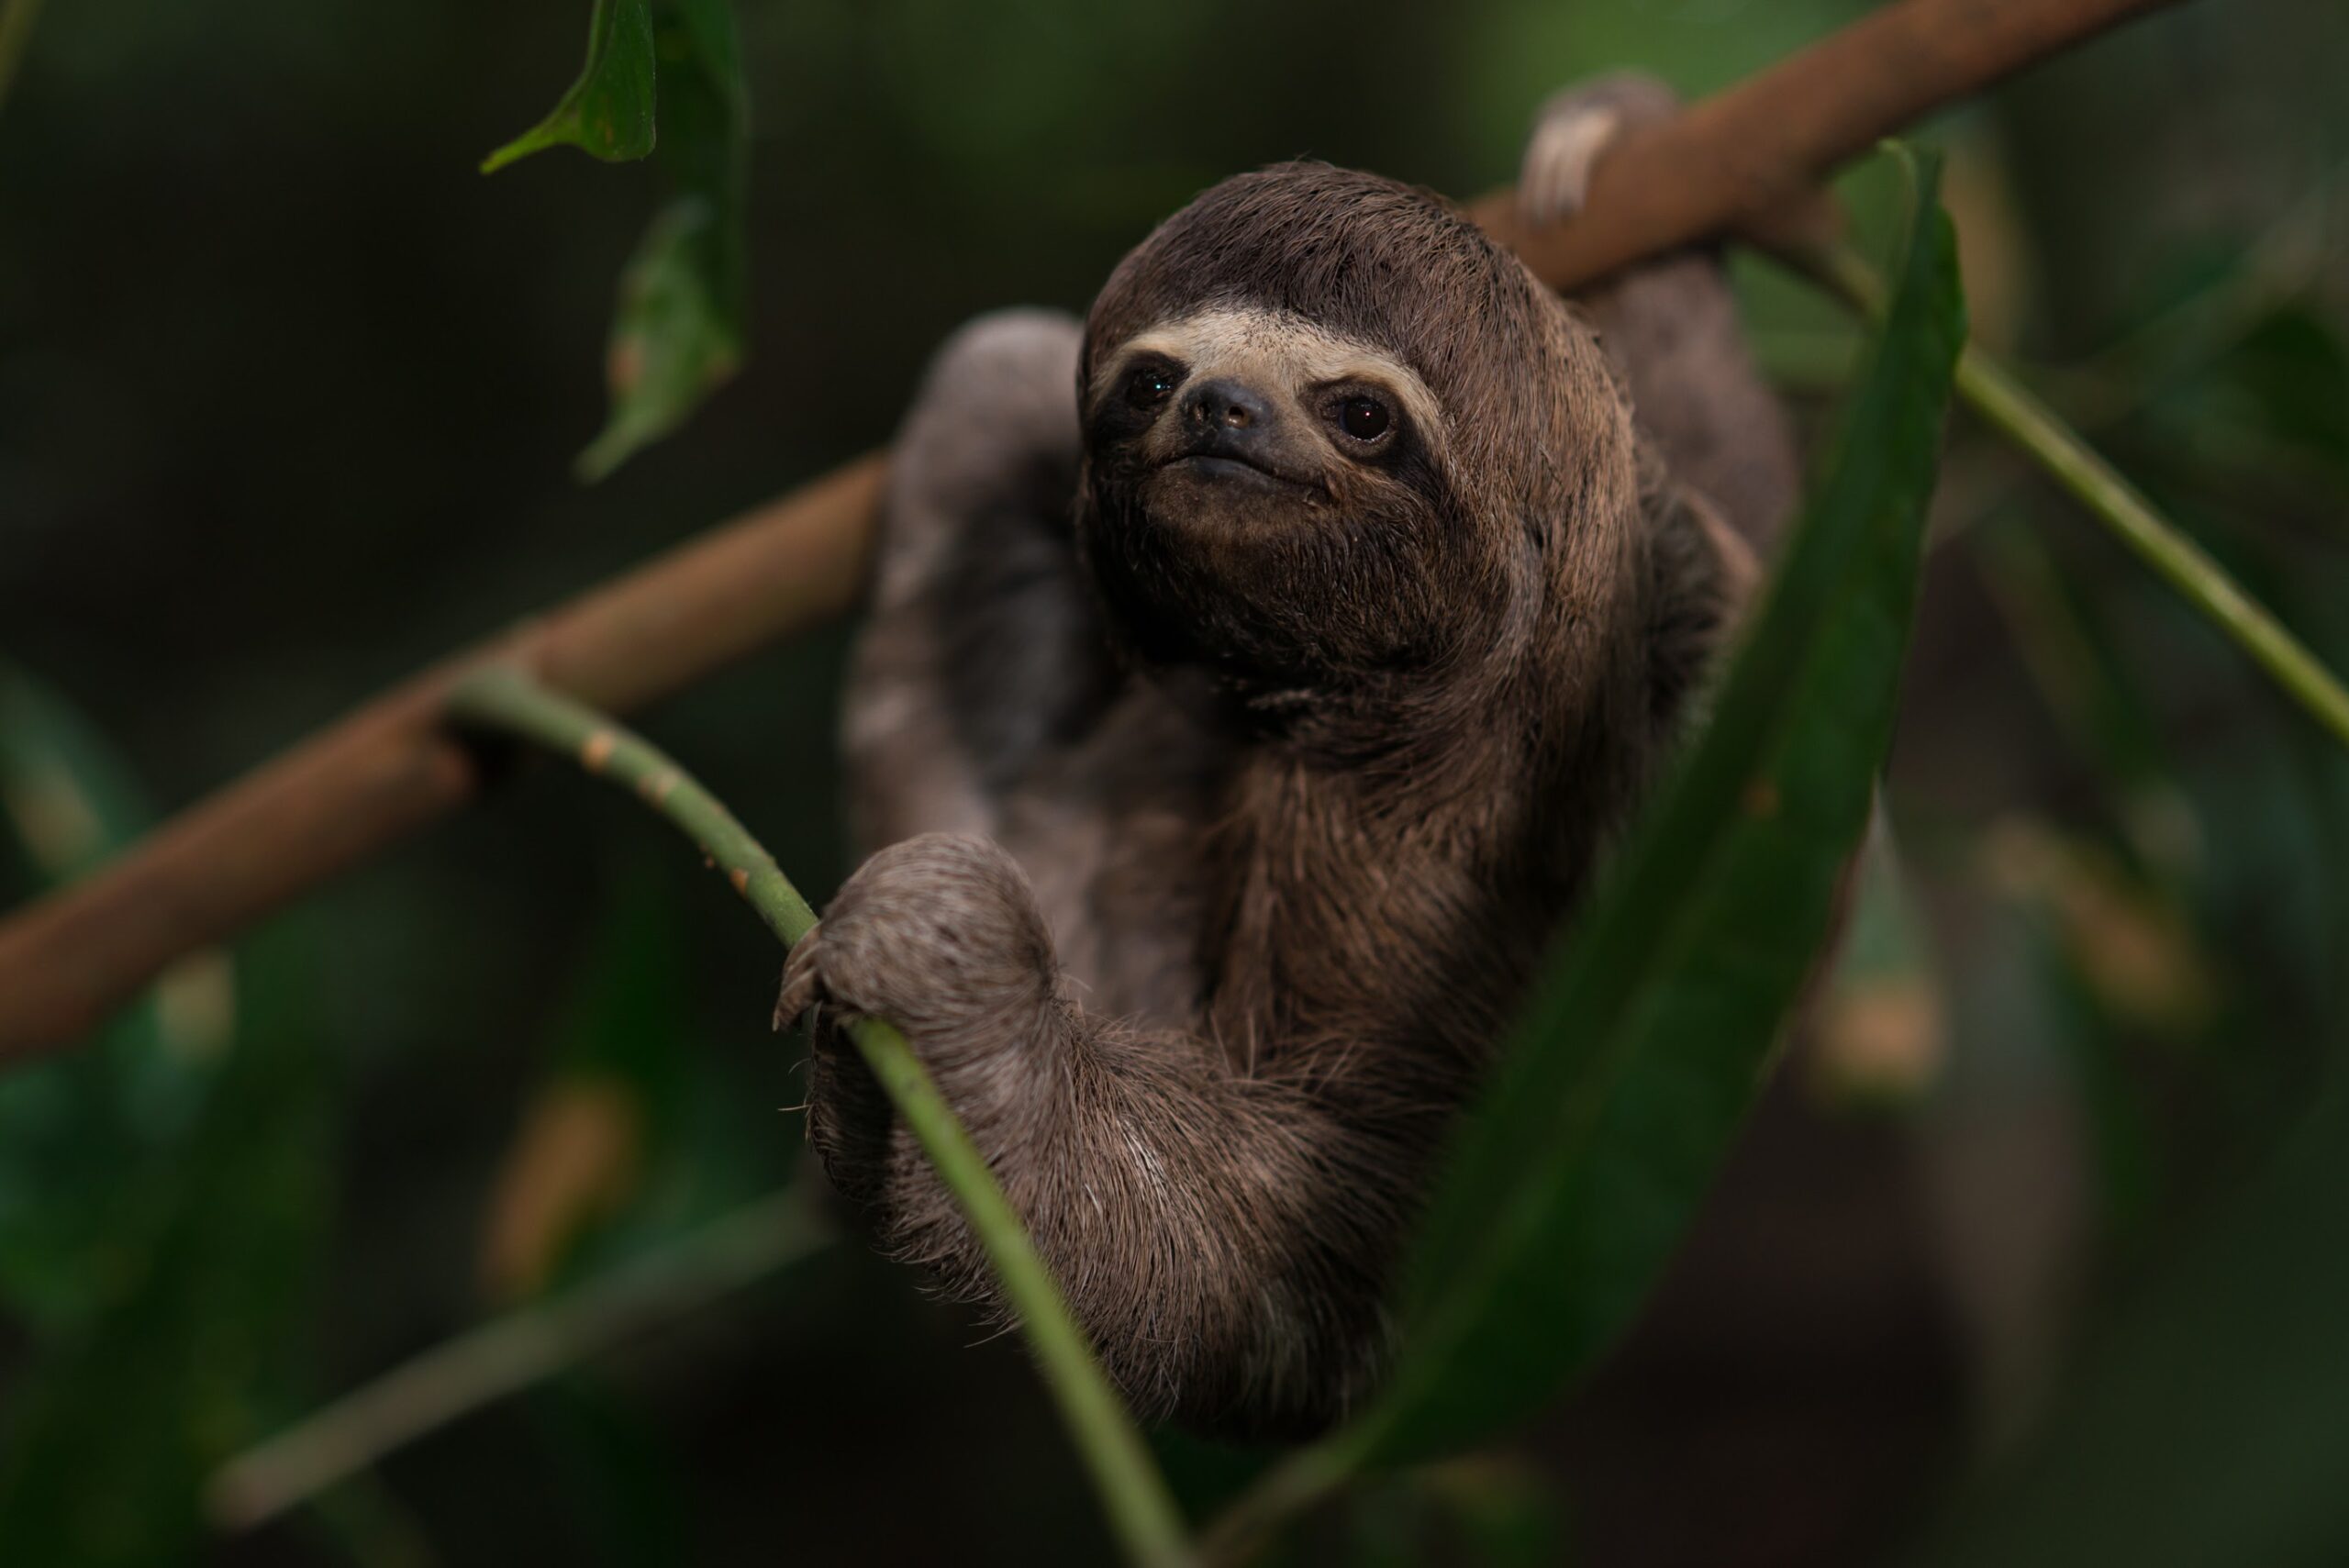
(1224, 814)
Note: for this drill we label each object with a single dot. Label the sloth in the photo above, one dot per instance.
(1256, 673)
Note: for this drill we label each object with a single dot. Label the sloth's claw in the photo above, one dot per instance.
(1573, 128)
(802, 981)
(1554, 178)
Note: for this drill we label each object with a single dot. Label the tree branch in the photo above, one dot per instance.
(386, 770)
(354, 789)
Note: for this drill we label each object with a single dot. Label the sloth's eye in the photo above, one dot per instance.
(1151, 385)
(1364, 418)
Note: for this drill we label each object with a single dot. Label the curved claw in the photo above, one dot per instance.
(1554, 178)
(800, 981)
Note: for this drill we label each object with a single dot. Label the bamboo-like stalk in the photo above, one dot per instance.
(505, 699)
(2009, 407)
(507, 1354)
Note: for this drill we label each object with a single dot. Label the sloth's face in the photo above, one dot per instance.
(1268, 497)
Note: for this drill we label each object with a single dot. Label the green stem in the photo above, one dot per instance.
(1142, 1511)
(2023, 419)
(507, 1354)
(1297, 1482)
(2007, 406)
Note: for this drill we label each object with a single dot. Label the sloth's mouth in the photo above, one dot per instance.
(1229, 465)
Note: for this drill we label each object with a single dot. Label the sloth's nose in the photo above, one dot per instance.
(1226, 404)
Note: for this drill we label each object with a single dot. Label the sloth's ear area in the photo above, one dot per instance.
(1699, 575)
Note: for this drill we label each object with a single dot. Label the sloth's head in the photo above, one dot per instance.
(1333, 435)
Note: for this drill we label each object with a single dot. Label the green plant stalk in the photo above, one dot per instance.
(2011, 409)
(1142, 1511)
(1300, 1481)
(507, 1354)
(2007, 406)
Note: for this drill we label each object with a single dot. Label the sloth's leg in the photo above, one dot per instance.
(983, 648)
(1670, 325)
(1217, 1236)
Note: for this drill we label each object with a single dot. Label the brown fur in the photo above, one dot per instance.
(1220, 837)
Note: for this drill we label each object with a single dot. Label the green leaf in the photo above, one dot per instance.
(674, 339)
(74, 1128)
(609, 113)
(1578, 1173)
(1878, 1029)
(678, 333)
(114, 1430)
(64, 792)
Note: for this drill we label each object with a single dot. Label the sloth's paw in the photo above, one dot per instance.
(939, 935)
(1573, 128)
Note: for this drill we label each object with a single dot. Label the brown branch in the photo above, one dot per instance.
(1738, 159)
(352, 791)
(388, 769)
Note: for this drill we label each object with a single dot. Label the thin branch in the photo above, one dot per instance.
(386, 770)
(2174, 557)
(2003, 403)
(509, 1355)
(1301, 1481)
(1142, 1511)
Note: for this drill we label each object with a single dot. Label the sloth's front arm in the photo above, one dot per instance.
(1213, 1231)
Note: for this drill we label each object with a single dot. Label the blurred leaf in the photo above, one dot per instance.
(575, 1162)
(2130, 945)
(75, 1129)
(1578, 1171)
(2092, 694)
(609, 111)
(1994, 244)
(637, 1137)
(678, 333)
(115, 1427)
(1881, 1032)
(611, 1102)
(1503, 1512)
(2206, 1425)
(674, 338)
(156, 1207)
(67, 795)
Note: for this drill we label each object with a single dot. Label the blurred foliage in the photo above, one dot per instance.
(85, 1138)
(678, 331)
(288, 402)
(1879, 1029)
(628, 1142)
(115, 1430)
(162, 1209)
